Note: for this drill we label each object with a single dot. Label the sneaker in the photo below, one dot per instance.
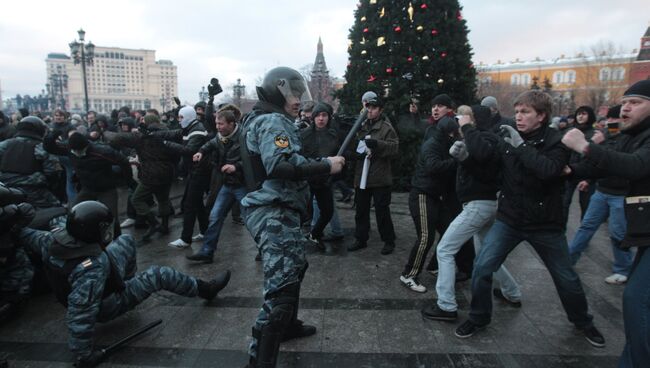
(413, 284)
(127, 223)
(594, 336)
(179, 244)
(499, 295)
(616, 279)
(388, 248)
(197, 237)
(356, 246)
(434, 312)
(468, 329)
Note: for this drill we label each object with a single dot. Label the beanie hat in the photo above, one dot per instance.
(639, 89)
(368, 96)
(482, 116)
(189, 115)
(490, 102)
(448, 125)
(77, 141)
(200, 104)
(321, 107)
(444, 100)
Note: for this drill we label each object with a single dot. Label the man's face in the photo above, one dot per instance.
(200, 111)
(582, 117)
(90, 118)
(224, 127)
(305, 115)
(292, 106)
(527, 119)
(413, 108)
(125, 128)
(373, 112)
(59, 118)
(321, 120)
(633, 111)
(438, 111)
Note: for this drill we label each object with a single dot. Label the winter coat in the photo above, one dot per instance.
(318, 144)
(186, 142)
(225, 152)
(380, 173)
(435, 168)
(477, 176)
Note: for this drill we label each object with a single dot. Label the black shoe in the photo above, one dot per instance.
(468, 329)
(237, 220)
(208, 290)
(435, 313)
(332, 238)
(499, 295)
(298, 329)
(462, 276)
(356, 246)
(346, 198)
(164, 225)
(388, 248)
(594, 336)
(315, 242)
(200, 257)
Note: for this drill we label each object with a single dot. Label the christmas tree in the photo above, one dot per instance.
(406, 49)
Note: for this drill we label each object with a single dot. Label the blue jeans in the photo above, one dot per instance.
(70, 190)
(551, 247)
(474, 221)
(636, 314)
(600, 207)
(334, 224)
(227, 197)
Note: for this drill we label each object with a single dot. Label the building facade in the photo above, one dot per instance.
(596, 80)
(117, 77)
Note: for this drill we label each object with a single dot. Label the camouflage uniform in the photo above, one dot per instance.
(274, 212)
(35, 185)
(16, 274)
(87, 302)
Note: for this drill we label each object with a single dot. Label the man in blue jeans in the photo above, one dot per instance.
(227, 159)
(532, 160)
(606, 202)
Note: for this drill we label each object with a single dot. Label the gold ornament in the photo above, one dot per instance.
(363, 19)
(419, 28)
(350, 44)
(381, 41)
(373, 2)
(363, 52)
(363, 41)
(410, 11)
(441, 81)
(382, 13)
(425, 57)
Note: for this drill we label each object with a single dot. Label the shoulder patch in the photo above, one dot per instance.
(87, 263)
(282, 141)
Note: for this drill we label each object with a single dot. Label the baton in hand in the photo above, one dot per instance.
(353, 132)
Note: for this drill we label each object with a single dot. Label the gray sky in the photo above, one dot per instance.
(243, 39)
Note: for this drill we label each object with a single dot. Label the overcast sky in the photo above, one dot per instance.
(243, 39)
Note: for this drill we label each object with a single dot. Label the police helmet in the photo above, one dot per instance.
(90, 222)
(282, 83)
(32, 124)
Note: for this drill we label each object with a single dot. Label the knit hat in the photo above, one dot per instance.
(77, 141)
(322, 107)
(448, 125)
(444, 100)
(490, 102)
(639, 89)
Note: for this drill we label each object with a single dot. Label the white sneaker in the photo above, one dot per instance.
(179, 244)
(413, 284)
(198, 237)
(616, 279)
(127, 223)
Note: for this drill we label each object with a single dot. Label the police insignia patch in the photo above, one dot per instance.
(87, 263)
(282, 141)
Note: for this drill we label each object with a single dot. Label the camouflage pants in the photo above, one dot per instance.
(39, 197)
(16, 275)
(276, 231)
(141, 285)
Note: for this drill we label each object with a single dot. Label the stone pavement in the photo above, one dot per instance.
(365, 317)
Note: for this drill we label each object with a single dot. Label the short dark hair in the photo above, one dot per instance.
(227, 115)
(153, 111)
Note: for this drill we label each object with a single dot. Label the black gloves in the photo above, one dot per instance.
(371, 143)
(91, 360)
(214, 88)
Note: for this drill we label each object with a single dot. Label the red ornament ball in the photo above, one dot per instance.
(434, 32)
(423, 6)
(398, 29)
(389, 70)
(409, 59)
(372, 78)
(365, 30)
(444, 54)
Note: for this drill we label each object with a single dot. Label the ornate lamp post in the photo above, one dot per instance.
(162, 102)
(83, 53)
(239, 90)
(203, 95)
(58, 81)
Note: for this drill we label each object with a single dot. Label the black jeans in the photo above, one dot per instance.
(381, 197)
(583, 198)
(325, 200)
(194, 207)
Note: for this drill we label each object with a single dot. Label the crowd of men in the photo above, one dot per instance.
(483, 182)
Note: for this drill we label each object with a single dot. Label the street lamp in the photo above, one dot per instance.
(203, 95)
(58, 81)
(239, 90)
(162, 102)
(83, 53)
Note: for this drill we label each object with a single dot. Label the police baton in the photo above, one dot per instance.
(107, 351)
(353, 132)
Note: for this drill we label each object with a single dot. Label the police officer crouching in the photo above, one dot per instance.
(94, 276)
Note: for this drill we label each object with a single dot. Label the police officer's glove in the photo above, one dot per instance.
(91, 360)
(214, 88)
(459, 151)
(371, 143)
(8, 212)
(512, 137)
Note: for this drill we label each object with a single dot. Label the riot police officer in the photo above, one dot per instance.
(275, 174)
(94, 275)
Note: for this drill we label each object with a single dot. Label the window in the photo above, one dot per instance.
(525, 79)
(514, 79)
(605, 74)
(618, 74)
(558, 77)
(570, 76)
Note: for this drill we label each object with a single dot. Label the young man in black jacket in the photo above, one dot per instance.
(532, 160)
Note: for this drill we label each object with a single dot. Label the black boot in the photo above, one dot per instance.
(153, 227)
(164, 225)
(208, 290)
(298, 328)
